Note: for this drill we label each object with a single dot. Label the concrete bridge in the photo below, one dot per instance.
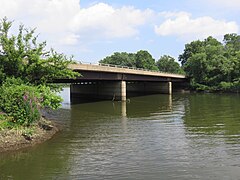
(116, 83)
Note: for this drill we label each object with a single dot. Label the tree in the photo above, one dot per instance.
(213, 65)
(232, 52)
(23, 57)
(26, 69)
(190, 49)
(232, 43)
(141, 59)
(168, 64)
(120, 58)
(145, 60)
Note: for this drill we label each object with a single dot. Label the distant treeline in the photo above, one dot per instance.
(210, 64)
(143, 59)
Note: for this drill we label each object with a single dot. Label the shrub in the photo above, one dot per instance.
(23, 102)
(5, 121)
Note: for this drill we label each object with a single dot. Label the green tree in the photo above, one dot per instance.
(120, 58)
(168, 64)
(213, 66)
(21, 56)
(26, 69)
(145, 60)
(190, 49)
(232, 43)
(232, 52)
(141, 59)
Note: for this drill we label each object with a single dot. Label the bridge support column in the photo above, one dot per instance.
(170, 88)
(123, 91)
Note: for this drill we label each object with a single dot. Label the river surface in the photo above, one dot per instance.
(183, 136)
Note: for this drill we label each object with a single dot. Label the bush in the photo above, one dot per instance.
(5, 121)
(23, 102)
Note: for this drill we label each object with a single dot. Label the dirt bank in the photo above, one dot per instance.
(15, 139)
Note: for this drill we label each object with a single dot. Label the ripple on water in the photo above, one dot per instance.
(154, 137)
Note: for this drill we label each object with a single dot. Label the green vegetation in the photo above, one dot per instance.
(26, 69)
(121, 59)
(212, 65)
(23, 102)
(168, 64)
(143, 59)
(209, 64)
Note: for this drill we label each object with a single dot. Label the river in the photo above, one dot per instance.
(183, 136)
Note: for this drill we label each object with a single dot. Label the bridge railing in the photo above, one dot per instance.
(124, 67)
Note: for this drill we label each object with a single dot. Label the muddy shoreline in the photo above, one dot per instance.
(13, 140)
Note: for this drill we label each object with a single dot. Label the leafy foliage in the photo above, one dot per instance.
(212, 65)
(26, 68)
(23, 102)
(141, 59)
(145, 60)
(168, 64)
(23, 57)
(121, 59)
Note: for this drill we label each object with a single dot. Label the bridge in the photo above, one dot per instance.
(104, 81)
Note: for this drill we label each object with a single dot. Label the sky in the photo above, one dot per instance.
(91, 30)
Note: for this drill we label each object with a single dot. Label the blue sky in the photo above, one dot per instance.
(91, 30)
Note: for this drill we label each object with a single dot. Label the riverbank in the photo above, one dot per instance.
(24, 137)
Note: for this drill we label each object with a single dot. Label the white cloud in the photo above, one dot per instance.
(8, 8)
(182, 25)
(110, 22)
(39, 11)
(234, 4)
(69, 23)
(70, 39)
(64, 23)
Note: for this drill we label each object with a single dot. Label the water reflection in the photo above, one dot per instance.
(117, 139)
(124, 109)
(211, 114)
(164, 102)
(149, 137)
(135, 107)
(40, 162)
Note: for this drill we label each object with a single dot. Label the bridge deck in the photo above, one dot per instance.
(125, 70)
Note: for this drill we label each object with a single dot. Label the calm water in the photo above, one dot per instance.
(193, 136)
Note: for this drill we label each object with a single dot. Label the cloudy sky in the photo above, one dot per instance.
(91, 30)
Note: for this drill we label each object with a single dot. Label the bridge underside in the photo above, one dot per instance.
(118, 90)
(119, 86)
(111, 76)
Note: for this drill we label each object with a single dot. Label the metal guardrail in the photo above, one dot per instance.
(125, 67)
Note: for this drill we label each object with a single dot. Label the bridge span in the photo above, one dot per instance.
(116, 82)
